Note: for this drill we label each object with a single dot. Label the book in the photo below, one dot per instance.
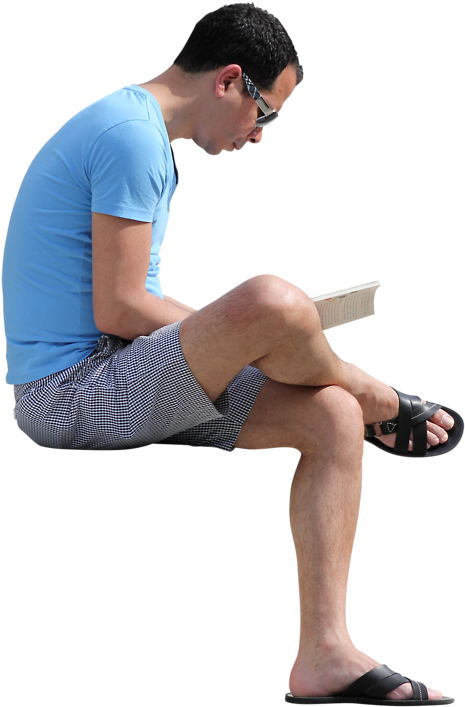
(346, 305)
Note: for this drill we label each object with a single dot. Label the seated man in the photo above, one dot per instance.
(100, 359)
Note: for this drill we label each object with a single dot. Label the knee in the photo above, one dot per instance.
(341, 408)
(340, 419)
(280, 301)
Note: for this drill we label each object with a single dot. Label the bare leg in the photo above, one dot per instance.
(266, 321)
(303, 356)
(269, 323)
(324, 505)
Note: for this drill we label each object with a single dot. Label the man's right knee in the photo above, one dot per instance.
(276, 296)
(274, 293)
(257, 315)
(253, 299)
(237, 329)
(260, 301)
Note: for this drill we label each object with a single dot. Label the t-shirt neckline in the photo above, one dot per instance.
(155, 103)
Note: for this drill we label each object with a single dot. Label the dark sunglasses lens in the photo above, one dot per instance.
(266, 119)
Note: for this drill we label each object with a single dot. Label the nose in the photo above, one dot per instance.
(255, 136)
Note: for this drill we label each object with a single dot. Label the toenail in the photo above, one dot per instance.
(447, 420)
(444, 438)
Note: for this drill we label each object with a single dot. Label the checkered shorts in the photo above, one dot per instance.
(130, 394)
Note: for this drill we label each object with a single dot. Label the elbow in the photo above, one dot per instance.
(114, 322)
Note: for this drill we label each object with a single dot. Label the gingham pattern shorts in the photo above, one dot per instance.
(130, 394)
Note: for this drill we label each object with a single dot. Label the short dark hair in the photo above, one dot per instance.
(240, 34)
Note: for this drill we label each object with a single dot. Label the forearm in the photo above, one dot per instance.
(178, 304)
(142, 316)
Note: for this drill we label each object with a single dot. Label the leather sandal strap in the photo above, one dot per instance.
(420, 413)
(420, 691)
(376, 683)
(413, 414)
(405, 425)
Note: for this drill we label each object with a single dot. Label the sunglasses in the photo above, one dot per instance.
(268, 113)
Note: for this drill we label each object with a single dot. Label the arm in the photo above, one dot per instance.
(145, 315)
(120, 262)
(178, 304)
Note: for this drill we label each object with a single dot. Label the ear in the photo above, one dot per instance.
(226, 78)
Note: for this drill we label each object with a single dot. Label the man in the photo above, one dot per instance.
(101, 360)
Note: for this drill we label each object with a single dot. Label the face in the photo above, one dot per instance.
(229, 122)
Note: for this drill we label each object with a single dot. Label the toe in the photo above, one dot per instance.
(405, 692)
(438, 432)
(434, 694)
(442, 419)
(447, 421)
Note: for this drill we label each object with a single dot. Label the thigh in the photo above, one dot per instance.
(287, 416)
(276, 419)
(235, 330)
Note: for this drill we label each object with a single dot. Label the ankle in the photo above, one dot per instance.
(356, 382)
(325, 646)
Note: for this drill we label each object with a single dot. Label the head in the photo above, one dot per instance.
(232, 40)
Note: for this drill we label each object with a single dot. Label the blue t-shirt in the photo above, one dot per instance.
(114, 157)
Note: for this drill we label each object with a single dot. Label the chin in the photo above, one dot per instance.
(210, 149)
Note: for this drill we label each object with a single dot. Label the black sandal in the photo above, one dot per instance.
(412, 417)
(376, 683)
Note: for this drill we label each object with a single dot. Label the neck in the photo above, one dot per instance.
(176, 97)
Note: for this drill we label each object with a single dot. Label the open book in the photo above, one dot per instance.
(346, 305)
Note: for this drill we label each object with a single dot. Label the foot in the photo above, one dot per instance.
(333, 671)
(379, 402)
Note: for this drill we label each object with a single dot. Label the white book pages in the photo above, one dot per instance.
(348, 305)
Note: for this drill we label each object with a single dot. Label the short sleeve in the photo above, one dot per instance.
(127, 170)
